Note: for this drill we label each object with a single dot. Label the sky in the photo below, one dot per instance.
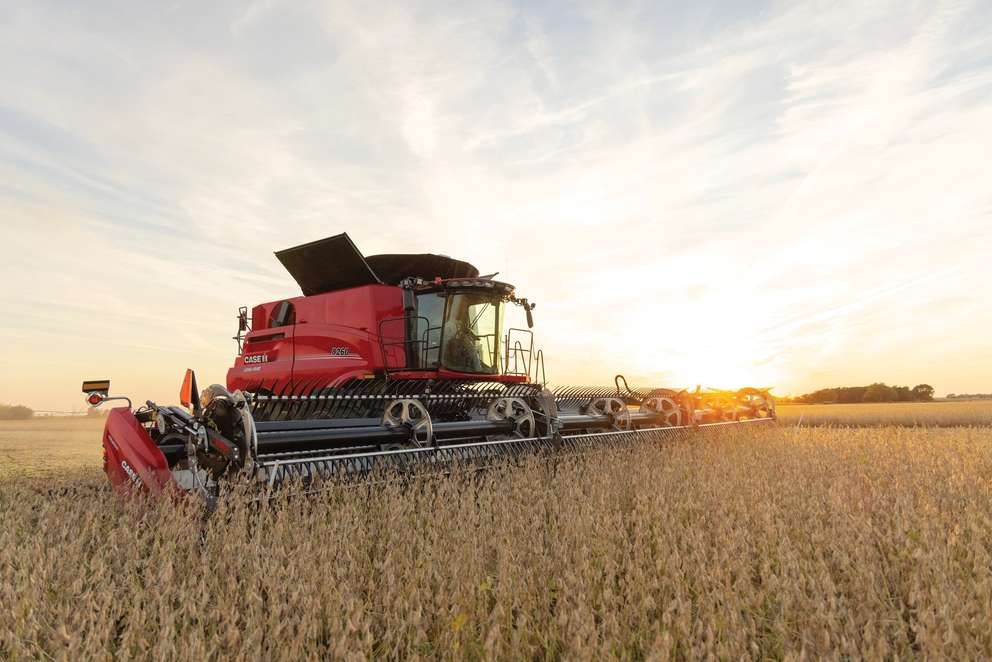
(786, 194)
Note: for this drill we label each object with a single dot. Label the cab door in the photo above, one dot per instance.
(268, 355)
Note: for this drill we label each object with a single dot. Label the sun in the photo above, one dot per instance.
(714, 347)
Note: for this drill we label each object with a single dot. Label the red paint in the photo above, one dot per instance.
(129, 453)
(335, 338)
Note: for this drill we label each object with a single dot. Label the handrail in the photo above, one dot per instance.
(408, 345)
(417, 351)
(522, 356)
(539, 368)
(518, 358)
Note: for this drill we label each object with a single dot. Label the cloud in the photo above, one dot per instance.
(716, 191)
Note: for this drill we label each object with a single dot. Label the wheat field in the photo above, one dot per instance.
(777, 544)
(50, 447)
(947, 413)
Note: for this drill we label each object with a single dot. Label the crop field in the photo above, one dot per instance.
(50, 447)
(931, 414)
(778, 543)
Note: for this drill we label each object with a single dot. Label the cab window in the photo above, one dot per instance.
(430, 319)
(283, 314)
(471, 333)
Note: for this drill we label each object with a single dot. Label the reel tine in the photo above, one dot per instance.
(316, 398)
(258, 406)
(274, 403)
(317, 401)
(304, 402)
(328, 399)
(282, 405)
(254, 403)
(273, 408)
(301, 400)
(360, 398)
(286, 400)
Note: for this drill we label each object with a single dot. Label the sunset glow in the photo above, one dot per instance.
(792, 196)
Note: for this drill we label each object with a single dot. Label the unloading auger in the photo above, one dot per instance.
(386, 363)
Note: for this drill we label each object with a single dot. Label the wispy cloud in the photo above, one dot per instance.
(784, 193)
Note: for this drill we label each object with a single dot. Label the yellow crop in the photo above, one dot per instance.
(781, 543)
(931, 414)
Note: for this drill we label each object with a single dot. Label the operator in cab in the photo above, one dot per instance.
(462, 348)
(470, 322)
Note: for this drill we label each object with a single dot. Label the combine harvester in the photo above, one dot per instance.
(387, 362)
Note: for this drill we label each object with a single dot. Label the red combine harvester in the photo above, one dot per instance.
(386, 362)
(421, 317)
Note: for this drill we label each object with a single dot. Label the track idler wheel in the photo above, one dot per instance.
(615, 408)
(518, 412)
(667, 410)
(411, 414)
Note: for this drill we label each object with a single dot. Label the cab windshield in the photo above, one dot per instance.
(459, 331)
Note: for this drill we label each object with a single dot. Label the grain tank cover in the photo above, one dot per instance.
(335, 263)
(326, 265)
(393, 268)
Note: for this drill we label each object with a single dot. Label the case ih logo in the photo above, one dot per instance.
(131, 473)
(256, 358)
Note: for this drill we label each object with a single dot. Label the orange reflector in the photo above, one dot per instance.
(186, 391)
(94, 399)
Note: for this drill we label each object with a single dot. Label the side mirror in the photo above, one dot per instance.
(242, 319)
(530, 318)
(189, 396)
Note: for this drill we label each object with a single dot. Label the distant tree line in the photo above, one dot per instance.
(969, 396)
(877, 392)
(15, 413)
